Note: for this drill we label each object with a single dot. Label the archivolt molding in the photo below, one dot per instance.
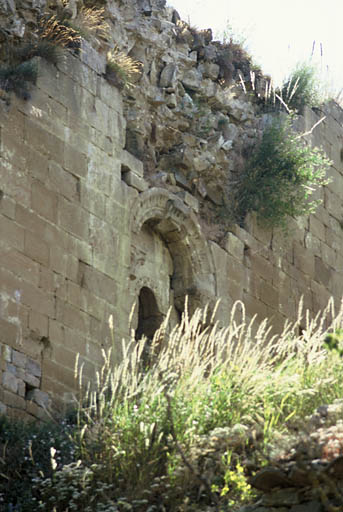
(178, 226)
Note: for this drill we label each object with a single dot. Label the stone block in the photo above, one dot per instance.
(110, 95)
(30, 220)
(234, 246)
(258, 264)
(58, 260)
(36, 249)
(92, 200)
(8, 333)
(63, 182)
(132, 163)
(254, 306)
(320, 295)
(12, 233)
(15, 182)
(317, 228)
(74, 318)
(13, 400)
(328, 255)
(38, 323)
(21, 388)
(93, 59)
(333, 203)
(20, 265)
(334, 240)
(43, 141)
(269, 295)
(56, 332)
(41, 398)
(189, 200)
(10, 381)
(28, 378)
(313, 243)
(60, 374)
(7, 206)
(73, 219)
(44, 201)
(75, 161)
(11, 368)
(132, 180)
(304, 259)
(117, 128)
(322, 273)
(98, 283)
(33, 367)
(220, 263)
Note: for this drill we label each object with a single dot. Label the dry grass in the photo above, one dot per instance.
(91, 22)
(50, 29)
(198, 348)
(122, 69)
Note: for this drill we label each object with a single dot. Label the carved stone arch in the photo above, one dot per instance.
(178, 226)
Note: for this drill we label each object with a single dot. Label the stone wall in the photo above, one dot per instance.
(90, 230)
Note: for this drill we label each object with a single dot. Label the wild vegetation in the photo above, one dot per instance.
(280, 176)
(183, 429)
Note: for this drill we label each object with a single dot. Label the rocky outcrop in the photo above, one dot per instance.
(308, 476)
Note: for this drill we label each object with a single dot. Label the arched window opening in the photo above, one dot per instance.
(149, 316)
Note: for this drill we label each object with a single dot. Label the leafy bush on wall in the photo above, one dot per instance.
(280, 177)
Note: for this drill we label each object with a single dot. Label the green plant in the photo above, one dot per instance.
(334, 342)
(280, 176)
(37, 48)
(302, 88)
(25, 455)
(174, 436)
(235, 483)
(18, 78)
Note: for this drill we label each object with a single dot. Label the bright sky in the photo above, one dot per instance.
(279, 33)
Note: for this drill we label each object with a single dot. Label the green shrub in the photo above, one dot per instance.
(19, 78)
(24, 456)
(280, 177)
(302, 88)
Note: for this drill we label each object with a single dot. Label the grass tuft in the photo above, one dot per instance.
(173, 434)
(121, 69)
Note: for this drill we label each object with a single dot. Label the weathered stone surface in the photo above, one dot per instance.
(10, 381)
(268, 478)
(39, 397)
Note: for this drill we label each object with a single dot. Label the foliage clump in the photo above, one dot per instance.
(173, 434)
(280, 176)
(302, 88)
(121, 69)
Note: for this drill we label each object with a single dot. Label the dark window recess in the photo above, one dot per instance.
(149, 316)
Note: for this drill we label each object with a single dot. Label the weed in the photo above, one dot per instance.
(174, 436)
(52, 30)
(18, 78)
(302, 88)
(280, 177)
(121, 69)
(37, 48)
